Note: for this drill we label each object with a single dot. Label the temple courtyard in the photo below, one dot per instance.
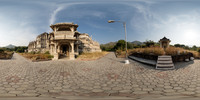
(105, 77)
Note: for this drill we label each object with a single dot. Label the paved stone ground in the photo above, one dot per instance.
(108, 76)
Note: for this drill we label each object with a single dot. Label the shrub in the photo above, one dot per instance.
(180, 51)
(47, 52)
(148, 51)
(36, 56)
(50, 56)
(174, 51)
(195, 54)
(38, 52)
(6, 55)
(32, 52)
(1, 50)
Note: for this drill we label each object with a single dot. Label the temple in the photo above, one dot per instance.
(64, 41)
(164, 42)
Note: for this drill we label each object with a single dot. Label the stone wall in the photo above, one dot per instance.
(40, 45)
(87, 44)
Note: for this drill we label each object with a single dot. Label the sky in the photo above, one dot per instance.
(179, 20)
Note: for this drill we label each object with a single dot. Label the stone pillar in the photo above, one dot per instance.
(77, 48)
(51, 50)
(59, 49)
(167, 44)
(56, 56)
(71, 54)
(55, 29)
(77, 51)
(160, 44)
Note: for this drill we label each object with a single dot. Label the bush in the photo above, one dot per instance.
(32, 52)
(148, 51)
(180, 51)
(47, 52)
(1, 50)
(174, 51)
(20, 49)
(37, 56)
(38, 52)
(50, 56)
(6, 55)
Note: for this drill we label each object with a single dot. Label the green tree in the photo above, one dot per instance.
(194, 48)
(20, 49)
(180, 45)
(120, 45)
(187, 47)
(1, 50)
(149, 43)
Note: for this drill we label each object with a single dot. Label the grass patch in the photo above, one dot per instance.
(148, 51)
(120, 53)
(6, 55)
(180, 51)
(37, 56)
(92, 56)
(157, 51)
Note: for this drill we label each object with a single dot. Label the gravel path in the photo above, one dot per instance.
(108, 76)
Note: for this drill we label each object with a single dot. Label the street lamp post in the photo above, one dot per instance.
(124, 24)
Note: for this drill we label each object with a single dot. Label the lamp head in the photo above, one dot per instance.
(111, 21)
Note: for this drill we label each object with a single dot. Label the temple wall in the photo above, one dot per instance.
(51, 42)
(87, 44)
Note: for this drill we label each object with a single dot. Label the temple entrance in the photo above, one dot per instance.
(64, 51)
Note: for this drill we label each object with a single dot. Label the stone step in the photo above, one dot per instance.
(164, 59)
(164, 62)
(164, 56)
(165, 65)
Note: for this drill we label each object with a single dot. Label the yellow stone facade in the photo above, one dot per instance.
(64, 41)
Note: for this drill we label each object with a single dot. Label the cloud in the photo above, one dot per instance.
(20, 35)
(53, 15)
(179, 27)
(60, 7)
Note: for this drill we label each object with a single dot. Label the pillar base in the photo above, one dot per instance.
(72, 56)
(56, 56)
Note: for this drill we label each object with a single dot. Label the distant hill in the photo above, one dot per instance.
(110, 43)
(137, 42)
(108, 46)
(10, 46)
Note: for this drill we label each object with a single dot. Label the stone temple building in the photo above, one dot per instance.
(164, 42)
(64, 41)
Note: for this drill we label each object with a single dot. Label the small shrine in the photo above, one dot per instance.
(164, 42)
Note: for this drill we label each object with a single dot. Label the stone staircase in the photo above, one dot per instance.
(164, 62)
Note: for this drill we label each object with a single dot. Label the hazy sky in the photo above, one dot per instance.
(179, 20)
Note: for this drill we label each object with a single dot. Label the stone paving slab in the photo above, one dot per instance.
(104, 98)
(105, 77)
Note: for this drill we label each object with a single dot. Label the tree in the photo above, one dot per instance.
(1, 50)
(120, 45)
(180, 45)
(187, 47)
(20, 49)
(149, 43)
(194, 48)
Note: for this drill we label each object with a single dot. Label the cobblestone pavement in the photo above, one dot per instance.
(108, 76)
